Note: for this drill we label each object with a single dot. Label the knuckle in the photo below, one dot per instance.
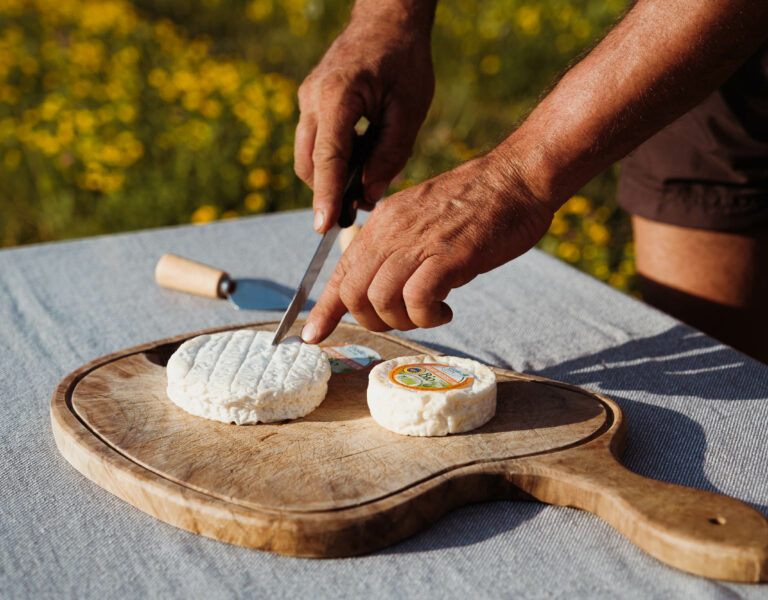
(417, 297)
(302, 169)
(305, 93)
(327, 150)
(383, 300)
(352, 297)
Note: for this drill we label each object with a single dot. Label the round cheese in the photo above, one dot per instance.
(431, 395)
(240, 377)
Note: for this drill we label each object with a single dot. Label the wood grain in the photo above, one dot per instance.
(336, 484)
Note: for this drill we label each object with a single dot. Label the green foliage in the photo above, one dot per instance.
(118, 115)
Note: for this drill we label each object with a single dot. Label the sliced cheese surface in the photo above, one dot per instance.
(240, 377)
(431, 395)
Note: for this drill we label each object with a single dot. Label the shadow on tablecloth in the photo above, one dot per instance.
(658, 381)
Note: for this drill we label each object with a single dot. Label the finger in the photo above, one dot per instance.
(347, 290)
(398, 131)
(327, 312)
(304, 144)
(425, 291)
(386, 291)
(331, 154)
(354, 294)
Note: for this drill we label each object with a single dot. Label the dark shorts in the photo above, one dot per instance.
(708, 169)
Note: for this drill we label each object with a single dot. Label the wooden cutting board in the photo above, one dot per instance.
(336, 484)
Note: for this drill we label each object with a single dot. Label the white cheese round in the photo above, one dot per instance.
(240, 377)
(431, 395)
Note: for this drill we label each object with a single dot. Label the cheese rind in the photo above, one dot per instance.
(421, 412)
(240, 377)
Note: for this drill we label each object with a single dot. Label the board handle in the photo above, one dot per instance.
(179, 273)
(701, 532)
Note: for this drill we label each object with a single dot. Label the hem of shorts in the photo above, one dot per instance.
(696, 205)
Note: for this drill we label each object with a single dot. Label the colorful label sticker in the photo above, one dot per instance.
(350, 358)
(430, 376)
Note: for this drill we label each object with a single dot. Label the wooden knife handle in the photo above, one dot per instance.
(178, 273)
(347, 235)
(698, 531)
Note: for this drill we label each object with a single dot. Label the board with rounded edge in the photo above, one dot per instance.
(334, 483)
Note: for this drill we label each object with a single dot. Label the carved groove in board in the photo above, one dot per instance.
(609, 420)
(465, 450)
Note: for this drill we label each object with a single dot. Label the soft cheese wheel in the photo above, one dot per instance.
(240, 377)
(431, 395)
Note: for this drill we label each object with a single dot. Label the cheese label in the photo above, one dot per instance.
(350, 358)
(430, 376)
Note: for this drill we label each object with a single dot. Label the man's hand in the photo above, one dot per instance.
(421, 243)
(380, 68)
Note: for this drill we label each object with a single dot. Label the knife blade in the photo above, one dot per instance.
(353, 192)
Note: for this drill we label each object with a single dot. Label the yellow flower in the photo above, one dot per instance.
(258, 178)
(599, 234)
(601, 271)
(84, 121)
(577, 205)
(627, 267)
(204, 214)
(582, 29)
(568, 251)
(589, 252)
(529, 19)
(126, 113)
(229, 214)
(211, 109)
(258, 10)
(280, 182)
(558, 227)
(565, 43)
(491, 64)
(12, 158)
(284, 154)
(157, 78)
(618, 280)
(254, 202)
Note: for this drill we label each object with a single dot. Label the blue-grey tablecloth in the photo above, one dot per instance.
(698, 415)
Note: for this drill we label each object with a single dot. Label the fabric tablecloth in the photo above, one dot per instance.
(697, 410)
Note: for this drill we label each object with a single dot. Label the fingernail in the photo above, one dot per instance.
(319, 220)
(308, 333)
(376, 191)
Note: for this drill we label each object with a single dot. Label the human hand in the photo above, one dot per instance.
(380, 67)
(419, 244)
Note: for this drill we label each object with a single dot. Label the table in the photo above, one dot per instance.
(698, 416)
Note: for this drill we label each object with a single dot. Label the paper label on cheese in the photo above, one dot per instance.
(350, 358)
(430, 376)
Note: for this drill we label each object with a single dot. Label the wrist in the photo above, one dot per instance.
(522, 165)
(411, 16)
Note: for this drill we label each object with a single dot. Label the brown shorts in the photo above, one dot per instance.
(708, 169)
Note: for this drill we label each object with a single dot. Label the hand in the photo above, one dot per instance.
(381, 68)
(419, 244)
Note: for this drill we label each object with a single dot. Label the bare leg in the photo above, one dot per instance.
(714, 281)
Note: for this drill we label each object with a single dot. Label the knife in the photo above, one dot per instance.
(182, 274)
(353, 192)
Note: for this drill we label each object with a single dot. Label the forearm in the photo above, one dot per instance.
(409, 15)
(662, 59)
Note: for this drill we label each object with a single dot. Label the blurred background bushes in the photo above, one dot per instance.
(117, 115)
